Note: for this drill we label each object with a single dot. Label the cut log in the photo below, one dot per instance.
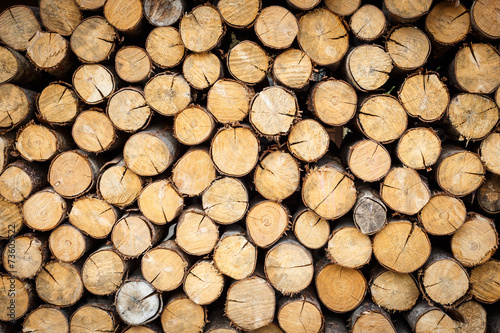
(234, 255)
(193, 125)
(393, 291)
(335, 324)
(15, 68)
(271, 328)
(369, 213)
(93, 216)
(160, 202)
(16, 106)
(59, 283)
(194, 172)
(119, 186)
(90, 4)
(182, 315)
(229, 101)
(167, 93)
(475, 241)
(490, 152)
(204, 282)
(419, 148)
(277, 175)
(359, 250)
(333, 101)
(20, 179)
(368, 23)
(164, 46)
(98, 316)
(220, 324)
(403, 12)
(343, 7)
(340, 289)
(310, 229)
(327, 45)
(225, 200)
(201, 29)
(67, 243)
(125, 15)
(61, 16)
(58, 104)
(50, 52)
(488, 194)
(94, 83)
(202, 70)
(448, 23)
(11, 219)
(424, 95)
(162, 13)
(24, 256)
(44, 210)
(368, 67)
(103, 271)
(239, 14)
(442, 215)
(308, 140)
(148, 328)
(165, 266)
(248, 62)
(18, 24)
(6, 148)
(426, 318)
(485, 282)
(44, 318)
(16, 296)
(401, 246)
(93, 131)
(483, 19)
(301, 313)
(266, 222)
(409, 47)
(128, 111)
(369, 316)
(39, 143)
(276, 27)
(133, 64)
(293, 68)
(93, 40)
(250, 303)
(368, 160)
(328, 190)
(475, 317)
(196, 233)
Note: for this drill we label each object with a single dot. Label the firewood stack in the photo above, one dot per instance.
(250, 165)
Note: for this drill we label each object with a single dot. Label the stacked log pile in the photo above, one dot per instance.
(249, 165)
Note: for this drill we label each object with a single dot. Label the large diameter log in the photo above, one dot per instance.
(128, 111)
(369, 316)
(119, 186)
(44, 318)
(475, 317)
(59, 283)
(369, 212)
(276, 27)
(60, 16)
(409, 47)
(266, 222)
(16, 297)
(182, 315)
(202, 70)
(20, 179)
(93, 216)
(165, 47)
(393, 291)
(160, 202)
(16, 106)
(24, 256)
(50, 52)
(67, 243)
(103, 271)
(293, 68)
(483, 19)
(368, 67)
(194, 172)
(239, 14)
(98, 316)
(401, 246)
(419, 148)
(368, 160)
(201, 29)
(325, 46)
(359, 251)
(196, 233)
(401, 12)
(133, 64)
(15, 68)
(301, 313)
(11, 219)
(225, 200)
(125, 15)
(203, 283)
(229, 101)
(58, 104)
(310, 229)
(248, 62)
(442, 215)
(427, 318)
(93, 40)
(250, 303)
(490, 152)
(44, 210)
(488, 196)
(485, 282)
(93, 131)
(308, 140)
(94, 83)
(193, 125)
(18, 24)
(39, 143)
(162, 13)
(448, 23)
(368, 23)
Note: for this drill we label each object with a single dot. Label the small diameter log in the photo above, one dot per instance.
(201, 29)
(475, 317)
(39, 143)
(151, 151)
(60, 16)
(235, 150)
(368, 160)
(225, 200)
(368, 23)
(476, 68)
(93, 131)
(369, 213)
(128, 111)
(326, 46)
(289, 266)
(419, 148)
(16, 297)
(133, 234)
(11, 219)
(98, 316)
(368, 67)
(328, 190)
(277, 176)
(490, 152)
(18, 24)
(133, 64)
(229, 101)
(424, 95)
(248, 62)
(137, 302)
(162, 13)
(448, 23)
(164, 46)
(20, 179)
(73, 173)
(485, 282)
(50, 52)
(103, 271)
(250, 303)
(484, 20)
(488, 194)
(443, 279)
(276, 27)
(93, 40)
(426, 318)
(6, 147)
(369, 316)
(471, 116)
(125, 15)
(356, 254)
(234, 255)
(182, 315)
(382, 118)
(202, 70)
(67, 243)
(193, 125)
(310, 229)
(405, 12)
(196, 233)
(409, 47)
(301, 313)
(308, 140)
(194, 172)
(44, 210)
(442, 215)
(15, 68)
(59, 283)
(266, 222)
(16, 106)
(393, 291)
(93, 216)
(90, 4)
(44, 318)
(239, 14)
(475, 241)
(333, 101)
(119, 186)
(94, 83)
(58, 104)
(401, 246)
(167, 93)
(340, 289)
(165, 266)
(458, 171)
(24, 256)
(204, 282)
(160, 202)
